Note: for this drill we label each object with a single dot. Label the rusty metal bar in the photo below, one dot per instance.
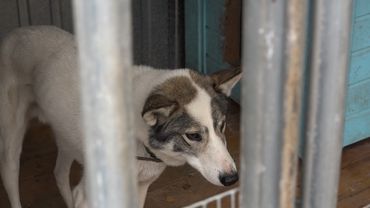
(296, 25)
(328, 72)
(104, 41)
(273, 61)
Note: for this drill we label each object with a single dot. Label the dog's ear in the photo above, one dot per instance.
(225, 80)
(157, 108)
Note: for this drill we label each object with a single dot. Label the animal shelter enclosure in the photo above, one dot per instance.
(304, 91)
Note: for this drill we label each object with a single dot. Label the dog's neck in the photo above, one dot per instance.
(151, 158)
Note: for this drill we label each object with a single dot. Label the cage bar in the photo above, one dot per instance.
(273, 61)
(217, 198)
(328, 72)
(104, 41)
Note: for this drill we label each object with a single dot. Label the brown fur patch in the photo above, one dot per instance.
(179, 89)
(204, 82)
(168, 97)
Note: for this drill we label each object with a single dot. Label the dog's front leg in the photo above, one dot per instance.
(61, 173)
(80, 200)
(143, 189)
(79, 195)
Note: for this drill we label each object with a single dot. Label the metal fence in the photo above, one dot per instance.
(275, 54)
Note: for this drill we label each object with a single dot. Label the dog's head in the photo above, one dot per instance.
(187, 116)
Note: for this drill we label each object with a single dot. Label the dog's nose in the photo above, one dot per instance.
(229, 179)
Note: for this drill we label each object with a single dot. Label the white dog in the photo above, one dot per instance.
(179, 114)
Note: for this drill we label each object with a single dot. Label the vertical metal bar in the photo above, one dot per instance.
(232, 200)
(273, 58)
(176, 34)
(296, 24)
(104, 41)
(23, 13)
(261, 121)
(328, 72)
(218, 203)
(55, 12)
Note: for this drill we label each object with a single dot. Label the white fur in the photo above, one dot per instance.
(215, 159)
(39, 78)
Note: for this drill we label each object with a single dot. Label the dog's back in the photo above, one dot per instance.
(38, 64)
(25, 48)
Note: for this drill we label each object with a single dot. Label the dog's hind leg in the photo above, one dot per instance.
(11, 151)
(61, 173)
(13, 123)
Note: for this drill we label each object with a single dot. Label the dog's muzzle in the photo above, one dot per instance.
(229, 179)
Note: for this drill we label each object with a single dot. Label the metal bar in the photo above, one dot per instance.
(273, 59)
(215, 198)
(23, 13)
(104, 41)
(328, 72)
(232, 201)
(55, 12)
(297, 11)
(218, 203)
(176, 34)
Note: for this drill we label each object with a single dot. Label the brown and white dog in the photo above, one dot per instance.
(179, 114)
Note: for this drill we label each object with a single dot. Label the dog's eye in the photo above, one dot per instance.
(223, 126)
(194, 137)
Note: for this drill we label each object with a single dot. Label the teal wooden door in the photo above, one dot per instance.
(204, 37)
(204, 49)
(357, 124)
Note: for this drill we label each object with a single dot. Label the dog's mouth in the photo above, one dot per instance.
(221, 178)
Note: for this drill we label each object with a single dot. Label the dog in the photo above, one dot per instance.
(179, 115)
